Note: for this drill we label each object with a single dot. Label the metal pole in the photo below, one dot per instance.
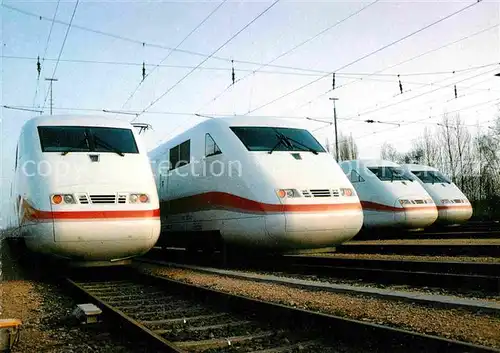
(335, 123)
(51, 101)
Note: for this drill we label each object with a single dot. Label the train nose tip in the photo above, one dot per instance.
(315, 230)
(421, 218)
(455, 215)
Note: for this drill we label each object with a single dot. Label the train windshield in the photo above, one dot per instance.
(70, 139)
(431, 176)
(271, 139)
(391, 174)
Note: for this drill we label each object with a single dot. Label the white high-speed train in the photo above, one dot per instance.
(252, 182)
(453, 206)
(390, 197)
(84, 190)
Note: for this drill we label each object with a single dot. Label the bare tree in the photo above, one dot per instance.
(388, 152)
(447, 138)
(347, 148)
(473, 162)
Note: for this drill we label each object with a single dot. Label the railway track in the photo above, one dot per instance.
(422, 248)
(457, 276)
(467, 277)
(177, 317)
(471, 230)
(435, 234)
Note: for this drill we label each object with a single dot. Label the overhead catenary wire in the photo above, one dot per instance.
(40, 65)
(377, 73)
(430, 106)
(287, 52)
(376, 109)
(228, 69)
(208, 57)
(152, 45)
(62, 48)
(136, 112)
(418, 121)
(171, 51)
(190, 52)
(364, 57)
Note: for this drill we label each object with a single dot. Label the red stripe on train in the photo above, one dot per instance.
(368, 205)
(222, 200)
(32, 213)
(454, 207)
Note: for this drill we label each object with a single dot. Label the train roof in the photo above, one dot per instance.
(227, 122)
(254, 121)
(76, 120)
(371, 163)
(412, 167)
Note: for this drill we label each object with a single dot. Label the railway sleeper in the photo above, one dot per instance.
(184, 319)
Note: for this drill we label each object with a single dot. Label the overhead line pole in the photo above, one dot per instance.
(51, 101)
(335, 124)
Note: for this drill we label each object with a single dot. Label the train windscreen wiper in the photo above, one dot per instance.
(102, 143)
(281, 140)
(310, 149)
(75, 149)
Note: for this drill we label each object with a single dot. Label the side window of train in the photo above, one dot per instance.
(354, 177)
(180, 155)
(211, 148)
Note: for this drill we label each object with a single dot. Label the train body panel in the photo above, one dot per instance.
(77, 201)
(389, 198)
(234, 193)
(453, 206)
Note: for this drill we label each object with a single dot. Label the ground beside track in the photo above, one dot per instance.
(45, 311)
(455, 324)
(47, 325)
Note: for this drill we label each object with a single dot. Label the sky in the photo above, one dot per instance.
(431, 45)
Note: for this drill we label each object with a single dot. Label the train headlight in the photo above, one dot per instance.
(347, 192)
(69, 199)
(282, 193)
(138, 198)
(59, 199)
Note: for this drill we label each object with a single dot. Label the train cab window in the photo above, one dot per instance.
(390, 173)
(211, 148)
(180, 155)
(268, 138)
(87, 139)
(431, 176)
(354, 177)
(106, 139)
(62, 138)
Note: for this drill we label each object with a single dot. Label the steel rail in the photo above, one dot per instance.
(331, 327)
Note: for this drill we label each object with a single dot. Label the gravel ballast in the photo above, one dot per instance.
(424, 242)
(455, 324)
(411, 257)
(47, 323)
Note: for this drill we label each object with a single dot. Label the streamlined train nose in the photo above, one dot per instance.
(454, 215)
(317, 229)
(416, 217)
(109, 239)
